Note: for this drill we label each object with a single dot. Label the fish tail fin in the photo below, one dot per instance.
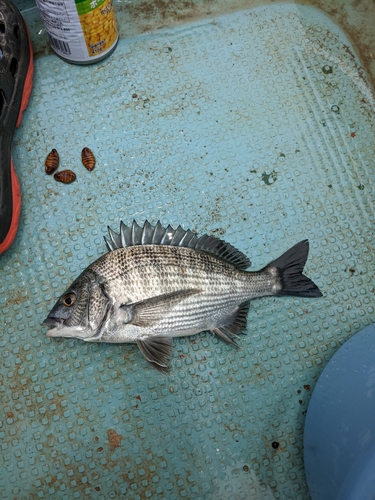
(287, 270)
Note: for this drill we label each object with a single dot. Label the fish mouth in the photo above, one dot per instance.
(58, 329)
(52, 321)
(56, 324)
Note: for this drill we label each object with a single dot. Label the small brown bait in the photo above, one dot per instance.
(88, 159)
(52, 161)
(65, 176)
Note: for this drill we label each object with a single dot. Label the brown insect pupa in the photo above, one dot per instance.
(65, 176)
(88, 159)
(52, 162)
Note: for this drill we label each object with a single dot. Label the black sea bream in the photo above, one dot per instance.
(157, 283)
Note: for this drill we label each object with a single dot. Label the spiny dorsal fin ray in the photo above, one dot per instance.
(147, 233)
(158, 235)
(136, 233)
(168, 236)
(114, 239)
(126, 235)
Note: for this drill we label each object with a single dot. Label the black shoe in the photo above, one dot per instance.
(16, 79)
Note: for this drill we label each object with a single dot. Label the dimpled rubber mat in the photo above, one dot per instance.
(257, 127)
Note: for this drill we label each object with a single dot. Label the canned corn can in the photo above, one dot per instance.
(80, 31)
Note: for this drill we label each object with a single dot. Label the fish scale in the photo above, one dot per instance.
(148, 293)
(176, 268)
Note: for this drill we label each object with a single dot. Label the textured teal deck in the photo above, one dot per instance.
(257, 127)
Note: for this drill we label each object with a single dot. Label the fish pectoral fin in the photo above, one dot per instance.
(150, 311)
(234, 324)
(157, 352)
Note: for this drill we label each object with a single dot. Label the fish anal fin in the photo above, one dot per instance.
(149, 312)
(233, 324)
(157, 352)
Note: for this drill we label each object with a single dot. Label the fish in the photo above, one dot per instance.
(156, 283)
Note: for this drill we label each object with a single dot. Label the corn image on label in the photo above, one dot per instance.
(98, 24)
(80, 31)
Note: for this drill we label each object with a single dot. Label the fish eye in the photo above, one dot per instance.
(69, 299)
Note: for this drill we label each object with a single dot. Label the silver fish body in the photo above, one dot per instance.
(158, 283)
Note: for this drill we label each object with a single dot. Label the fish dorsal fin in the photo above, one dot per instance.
(159, 235)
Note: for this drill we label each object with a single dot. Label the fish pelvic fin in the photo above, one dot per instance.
(234, 324)
(149, 312)
(287, 271)
(226, 335)
(157, 352)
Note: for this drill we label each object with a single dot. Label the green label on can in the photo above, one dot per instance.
(85, 6)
